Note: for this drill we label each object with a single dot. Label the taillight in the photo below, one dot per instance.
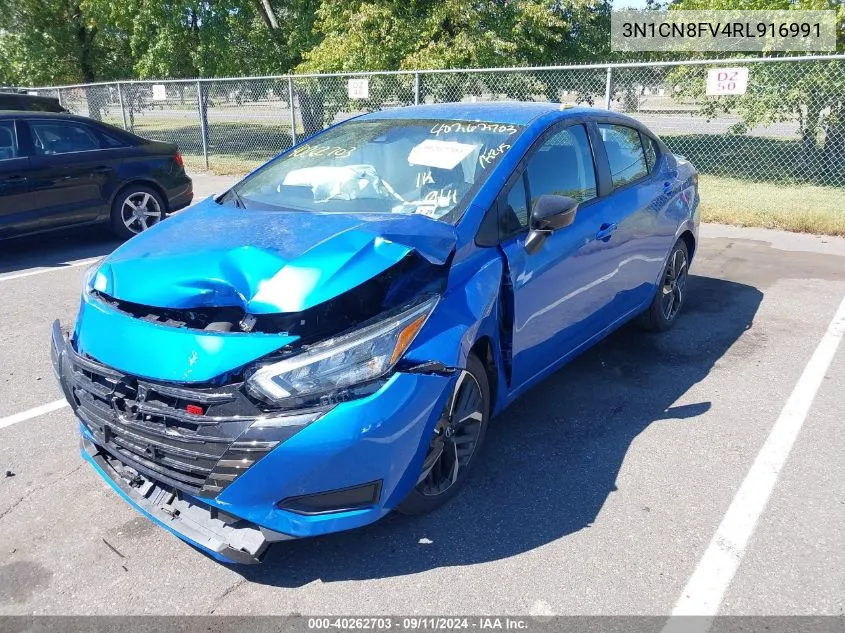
(178, 159)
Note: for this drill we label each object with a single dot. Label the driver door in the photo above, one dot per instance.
(559, 291)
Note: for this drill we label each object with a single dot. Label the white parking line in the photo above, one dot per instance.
(38, 271)
(703, 593)
(23, 416)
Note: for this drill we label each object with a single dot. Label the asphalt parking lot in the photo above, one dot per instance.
(599, 492)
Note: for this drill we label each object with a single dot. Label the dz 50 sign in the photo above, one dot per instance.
(727, 81)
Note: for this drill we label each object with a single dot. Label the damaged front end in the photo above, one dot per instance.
(234, 425)
(164, 447)
(226, 537)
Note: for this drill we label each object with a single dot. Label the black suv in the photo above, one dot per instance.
(28, 102)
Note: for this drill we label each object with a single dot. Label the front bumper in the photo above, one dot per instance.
(223, 536)
(378, 438)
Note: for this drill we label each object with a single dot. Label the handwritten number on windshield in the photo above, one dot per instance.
(331, 151)
(486, 158)
(448, 128)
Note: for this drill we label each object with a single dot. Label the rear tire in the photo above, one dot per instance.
(135, 209)
(671, 293)
(455, 445)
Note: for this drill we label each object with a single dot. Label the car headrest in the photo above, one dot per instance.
(6, 139)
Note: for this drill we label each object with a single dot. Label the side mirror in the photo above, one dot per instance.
(550, 213)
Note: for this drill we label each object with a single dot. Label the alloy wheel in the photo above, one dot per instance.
(455, 438)
(140, 211)
(674, 285)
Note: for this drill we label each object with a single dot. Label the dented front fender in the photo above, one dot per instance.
(469, 311)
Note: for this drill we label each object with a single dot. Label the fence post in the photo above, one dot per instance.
(292, 111)
(608, 88)
(203, 122)
(59, 95)
(122, 109)
(416, 88)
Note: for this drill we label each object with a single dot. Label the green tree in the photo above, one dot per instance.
(60, 42)
(73, 41)
(811, 93)
(434, 34)
(412, 34)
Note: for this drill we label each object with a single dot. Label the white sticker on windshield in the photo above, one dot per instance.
(439, 154)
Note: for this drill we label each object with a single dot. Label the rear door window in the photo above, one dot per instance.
(8, 141)
(111, 140)
(625, 153)
(62, 137)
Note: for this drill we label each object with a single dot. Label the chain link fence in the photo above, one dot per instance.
(788, 128)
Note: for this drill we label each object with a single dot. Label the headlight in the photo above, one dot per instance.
(92, 278)
(363, 355)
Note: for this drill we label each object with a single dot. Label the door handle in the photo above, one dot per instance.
(15, 180)
(102, 169)
(606, 231)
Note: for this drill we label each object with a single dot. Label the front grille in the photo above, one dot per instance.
(146, 425)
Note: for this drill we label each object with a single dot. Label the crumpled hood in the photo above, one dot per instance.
(264, 261)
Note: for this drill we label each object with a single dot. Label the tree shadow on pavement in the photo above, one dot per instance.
(549, 461)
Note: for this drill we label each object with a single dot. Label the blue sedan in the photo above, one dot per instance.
(328, 340)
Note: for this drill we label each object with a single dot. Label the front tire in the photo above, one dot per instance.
(671, 293)
(135, 209)
(455, 444)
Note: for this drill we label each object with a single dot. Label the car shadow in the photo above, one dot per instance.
(550, 460)
(56, 249)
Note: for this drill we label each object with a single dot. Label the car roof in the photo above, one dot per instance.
(514, 112)
(27, 96)
(29, 114)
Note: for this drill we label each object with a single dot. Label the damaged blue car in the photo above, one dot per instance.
(327, 340)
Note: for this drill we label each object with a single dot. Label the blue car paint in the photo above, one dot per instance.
(561, 308)
(180, 355)
(517, 113)
(377, 437)
(361, 437)
(265, 261)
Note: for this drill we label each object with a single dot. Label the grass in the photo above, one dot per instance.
(799, 208)
(754, 181)
(221, 164)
